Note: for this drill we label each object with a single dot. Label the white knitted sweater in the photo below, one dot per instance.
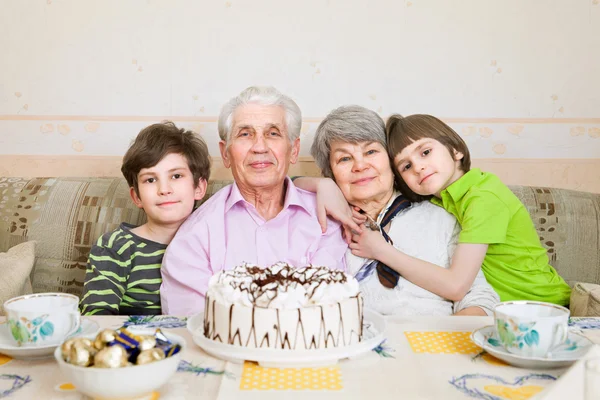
(428, 232)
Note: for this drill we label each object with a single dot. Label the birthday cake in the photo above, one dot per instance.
(281, 307)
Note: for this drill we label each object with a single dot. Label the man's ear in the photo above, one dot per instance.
(200, 190)
(458, 155)
(295, 151)
(134, 196)
(224, 154)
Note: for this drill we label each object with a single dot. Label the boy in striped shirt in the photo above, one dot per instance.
(167, 170)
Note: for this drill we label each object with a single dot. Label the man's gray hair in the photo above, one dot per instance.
(266, 96)
(348, 124)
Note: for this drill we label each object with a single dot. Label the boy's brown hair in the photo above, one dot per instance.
(403, 131)
(155, 142)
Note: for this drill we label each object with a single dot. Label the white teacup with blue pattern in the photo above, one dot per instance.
(42, 319)
(531, 328)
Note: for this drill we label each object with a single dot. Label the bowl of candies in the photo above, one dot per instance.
(120, 364)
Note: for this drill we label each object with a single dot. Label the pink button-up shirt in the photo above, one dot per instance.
(227, 230)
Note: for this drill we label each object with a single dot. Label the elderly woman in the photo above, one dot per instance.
(350, 148)
(262, 218)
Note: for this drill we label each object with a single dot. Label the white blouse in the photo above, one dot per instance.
(430, 233)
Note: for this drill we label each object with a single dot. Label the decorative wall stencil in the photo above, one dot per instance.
(64, 129)
(305, 129)
(495, 67)
(198, 128)
(47, 128)
(458, 79)
(485, 132)
(499, 148)
(516, 129)
(490, 387)
(92, 127)
(577, 131)
(77, 145)
(469, 130)
(594, 132)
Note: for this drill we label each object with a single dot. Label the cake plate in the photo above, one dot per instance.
(373, 328)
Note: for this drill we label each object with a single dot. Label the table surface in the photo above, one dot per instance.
(421, 358)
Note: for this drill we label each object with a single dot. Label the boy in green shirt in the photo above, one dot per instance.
(432, 161)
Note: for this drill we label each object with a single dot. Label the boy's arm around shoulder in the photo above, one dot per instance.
(105, 277)
(481, 298)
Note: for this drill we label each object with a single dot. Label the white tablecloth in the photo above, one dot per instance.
(422, 358)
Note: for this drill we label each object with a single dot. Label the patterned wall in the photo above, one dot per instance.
(516, 79)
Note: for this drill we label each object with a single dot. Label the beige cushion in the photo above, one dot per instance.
(585, 300)
(15, 267)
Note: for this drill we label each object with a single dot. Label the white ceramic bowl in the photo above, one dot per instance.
(118, 383)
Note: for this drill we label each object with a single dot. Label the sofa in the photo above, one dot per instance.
(65, 216)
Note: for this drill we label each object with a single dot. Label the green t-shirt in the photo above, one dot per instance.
(515, 265)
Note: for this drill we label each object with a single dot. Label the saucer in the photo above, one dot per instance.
(373, 328)
(7, 346)
(574, 348)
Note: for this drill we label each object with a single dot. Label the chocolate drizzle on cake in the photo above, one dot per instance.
(311, 324)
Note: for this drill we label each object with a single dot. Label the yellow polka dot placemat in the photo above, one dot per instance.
(436, 342)
(255, 377)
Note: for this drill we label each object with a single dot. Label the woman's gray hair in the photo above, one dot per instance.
(348, 124)
(266, 96)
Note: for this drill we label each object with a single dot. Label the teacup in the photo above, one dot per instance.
(42, 319)
(531, 328)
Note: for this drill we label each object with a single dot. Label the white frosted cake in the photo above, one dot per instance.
(284, 308)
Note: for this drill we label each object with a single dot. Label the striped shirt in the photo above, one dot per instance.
(123, 275)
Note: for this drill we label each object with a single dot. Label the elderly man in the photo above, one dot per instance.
(262, 217)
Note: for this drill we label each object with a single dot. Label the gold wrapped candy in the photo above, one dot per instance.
(147, 342)
(73, 349)
(104, 337)
(111, 357)
(116, 349)
(150, 355)
(65, 348)
(81, 354)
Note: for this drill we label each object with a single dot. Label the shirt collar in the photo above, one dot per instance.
(387, 207)
(292, 198)
(459, 188)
